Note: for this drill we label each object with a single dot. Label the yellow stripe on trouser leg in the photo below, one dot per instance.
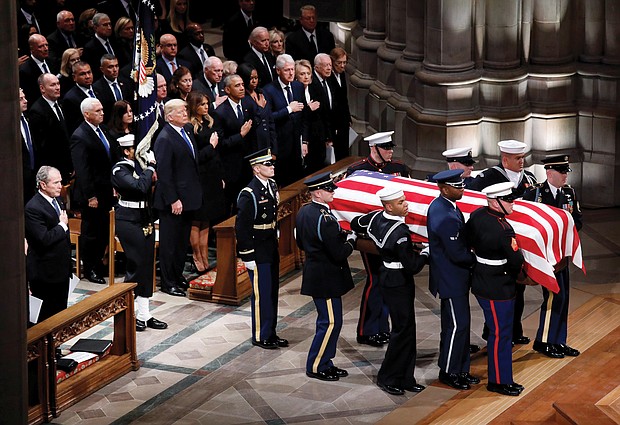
(328, 333)
(256, 306)
(547, 323)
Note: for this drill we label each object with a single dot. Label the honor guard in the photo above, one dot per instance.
(498, 264)
(510, 170)
(461, 159)
(326, 274)
(450, 266)
(373, 327)
(552, 329)
(399, 262)
(257, 246)
(134, 226)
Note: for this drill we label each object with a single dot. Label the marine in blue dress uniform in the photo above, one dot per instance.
(257, 246)
(498, 264)
(399, 262)
(373, 327)
(552, 329)
(134, 227)
(450, 266)
(510, 170)
(326, 274)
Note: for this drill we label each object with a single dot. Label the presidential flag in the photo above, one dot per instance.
(545, 234)
(143, 75)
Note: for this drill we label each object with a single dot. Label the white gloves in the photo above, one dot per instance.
(426, 251)
(150, 157)
(250, 265)
(351, 237)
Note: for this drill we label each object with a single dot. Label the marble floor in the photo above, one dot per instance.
(204, 370)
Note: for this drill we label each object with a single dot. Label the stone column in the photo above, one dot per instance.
(612, 32)
(502, 34)
(593, 31)
(551, 33)
(13, 391)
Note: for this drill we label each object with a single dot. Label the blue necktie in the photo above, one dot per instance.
(106, 145)
(117, 92)
(91, 93)
(28, 141)
(289, 95)
(189, 143)
(108, 47)
(240, 114)
(56, 207)
(45, 69)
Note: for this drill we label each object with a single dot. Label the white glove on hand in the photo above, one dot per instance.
(351, 237)
(250, 265)
(426, 251)
(150, 157)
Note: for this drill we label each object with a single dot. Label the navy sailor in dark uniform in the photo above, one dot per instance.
(373, 327)
(134, 226)
(552, 329)
(499, 263)
(257, 246)
(450, 266)
(461, 159)
(510, 170)
(326, 274)
(400, 262)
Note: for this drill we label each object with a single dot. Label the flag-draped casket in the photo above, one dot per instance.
(545, 234)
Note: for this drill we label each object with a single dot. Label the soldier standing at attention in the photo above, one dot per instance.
(326, 274)
(400, 262)
(498, 264)
(450, 266)
(373, 327)
(552, 329)
(461, 159)
(257, 244)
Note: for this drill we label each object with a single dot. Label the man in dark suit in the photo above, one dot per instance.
(450, 266)
(83, 77)
(177, 194)
(341, 114)
(260, 57)
(168, 62)
(286, 99)
(49, 130)
(36, 65)
(63, 38)
(93, 152)
(237, 31)
(48, 261)
(109, 89)
(116, 9)
(234, 121)
(309, 40)
(210, 82)
(26, 14)
(100, 44)
(28, 151)
(196, 52)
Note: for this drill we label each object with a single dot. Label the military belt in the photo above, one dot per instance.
(131, 204)
(491, 262)
(393, 265)
(269, 226)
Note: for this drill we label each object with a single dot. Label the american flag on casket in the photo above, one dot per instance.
(545, 234)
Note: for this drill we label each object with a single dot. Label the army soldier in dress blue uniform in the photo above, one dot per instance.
(373, 327)
(400, 262)
(511, 169)
(450, 266)
(552, 329)
(134, 227)
(257, 245)
(499, 263)
(326, 274)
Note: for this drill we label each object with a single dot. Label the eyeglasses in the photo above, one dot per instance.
(271, 163)
(386, 148)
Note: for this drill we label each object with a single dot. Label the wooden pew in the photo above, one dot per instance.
(231, 287)
(46, 399)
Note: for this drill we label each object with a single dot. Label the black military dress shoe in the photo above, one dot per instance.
(473, 348)
(373, 340)
(384, 337)
(414, 388)
(521, 340)
(325, 375)
(548, 350)
(173, 290)
(518, 387)
(281, 341)
(453, 380)
(340, 373)
(391, 389)
(140, 325)
(93, 277)
(183, 283)
(566, 350)
(470, 379)
(266, 344)
(153, 323)
(504, 389)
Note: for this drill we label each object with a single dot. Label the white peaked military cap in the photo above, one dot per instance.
(499, 190)
(512, 146)
(462, 155)
(380, 138)
(126, 141)
(390, 193)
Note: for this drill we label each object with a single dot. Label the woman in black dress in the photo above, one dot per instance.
(121, 120)
(211, 172)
